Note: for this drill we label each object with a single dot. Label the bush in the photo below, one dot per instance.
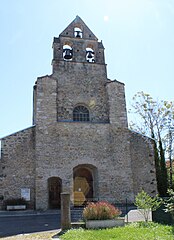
(100, 211)
(145, 203)
(15, 201)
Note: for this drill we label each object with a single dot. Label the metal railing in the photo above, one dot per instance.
(124, 207)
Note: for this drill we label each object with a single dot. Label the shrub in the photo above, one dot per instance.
(145, 203)
(100, 211)
(15, 201)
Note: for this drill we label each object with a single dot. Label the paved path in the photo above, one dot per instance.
(28, 222)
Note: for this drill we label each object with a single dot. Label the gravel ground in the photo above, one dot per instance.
(34, 236)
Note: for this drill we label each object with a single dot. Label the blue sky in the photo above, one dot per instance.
(138, 36)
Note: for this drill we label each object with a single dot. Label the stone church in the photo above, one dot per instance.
(79, 141)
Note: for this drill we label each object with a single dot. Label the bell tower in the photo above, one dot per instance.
(80, 69)
(78, 88)
(77, 43)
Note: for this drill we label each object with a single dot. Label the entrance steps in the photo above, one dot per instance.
(77, 214)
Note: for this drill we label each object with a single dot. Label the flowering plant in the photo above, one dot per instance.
(100, 211)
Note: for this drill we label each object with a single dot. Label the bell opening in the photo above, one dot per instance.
(78, 32)
(90, 55)
(67, 52)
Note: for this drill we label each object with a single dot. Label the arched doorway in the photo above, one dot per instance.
(83, 178)
(54, 191)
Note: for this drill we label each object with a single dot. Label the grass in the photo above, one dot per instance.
(135, 231)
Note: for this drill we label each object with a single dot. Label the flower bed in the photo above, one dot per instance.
(102, 215)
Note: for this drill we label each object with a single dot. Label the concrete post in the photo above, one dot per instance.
(65, 211)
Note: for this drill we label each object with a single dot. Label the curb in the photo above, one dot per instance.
(27, 213)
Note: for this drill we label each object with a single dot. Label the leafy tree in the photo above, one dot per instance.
(169, 204)
(156, 120)
(169, 135)
(145, 203)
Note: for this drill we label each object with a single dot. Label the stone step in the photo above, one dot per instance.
(76, 215)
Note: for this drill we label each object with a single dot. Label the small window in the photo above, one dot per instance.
(80, 114)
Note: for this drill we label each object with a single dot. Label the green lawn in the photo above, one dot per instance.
(136, 231)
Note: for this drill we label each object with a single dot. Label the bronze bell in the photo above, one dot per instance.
(78, 35)
(90, 54)
(68, 53)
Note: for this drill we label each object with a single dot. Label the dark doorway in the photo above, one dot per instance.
(54, 189)
(83, 185)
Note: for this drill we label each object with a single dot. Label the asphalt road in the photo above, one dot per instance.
(13, 225)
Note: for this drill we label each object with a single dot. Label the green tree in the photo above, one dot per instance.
(169, 204)
(156, 119)
(169, 135)
(145, 203)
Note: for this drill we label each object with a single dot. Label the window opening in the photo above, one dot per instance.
(90, 55)
(67, 52)
(81, 114)
(77, 32)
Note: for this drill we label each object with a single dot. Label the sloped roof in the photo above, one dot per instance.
(78, 22)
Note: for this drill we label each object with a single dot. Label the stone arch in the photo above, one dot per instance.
(90, 45)
(69, 43)
(84, 183)
(54, 191)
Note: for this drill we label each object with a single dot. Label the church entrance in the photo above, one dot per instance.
(83, 184)
(54, 190)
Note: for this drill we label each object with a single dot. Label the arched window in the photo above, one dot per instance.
(80, 114)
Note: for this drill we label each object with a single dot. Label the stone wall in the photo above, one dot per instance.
(18, 164)
(67, 145)
(117, 104)
(1, 184)
(45, 92)
(143, 164)
(123, 160)
(82, 84)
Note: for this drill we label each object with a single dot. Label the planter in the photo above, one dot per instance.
(94, 224)
(16, 207)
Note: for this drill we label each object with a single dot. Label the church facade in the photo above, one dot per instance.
(79, 142)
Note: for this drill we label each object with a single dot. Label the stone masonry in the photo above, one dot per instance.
(97, 156)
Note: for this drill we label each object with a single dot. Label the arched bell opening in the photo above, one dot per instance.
(54, 191)
(90, 56)
(78, 32)
(67, 52)
(84, 184)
